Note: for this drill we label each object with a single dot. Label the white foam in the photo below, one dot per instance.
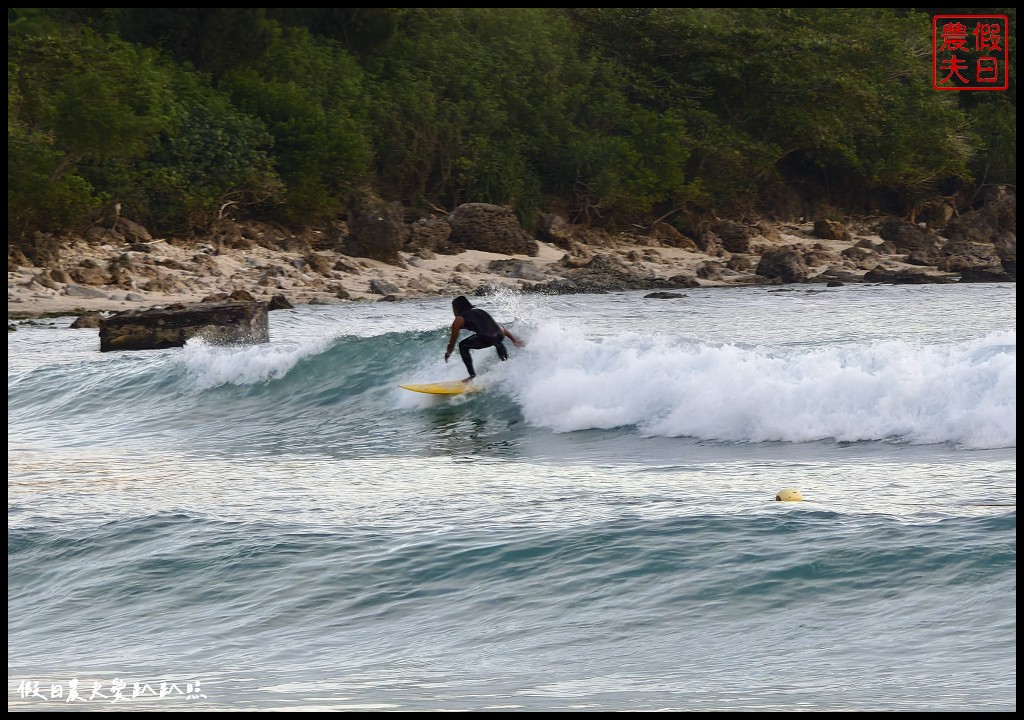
(668, 385)
(212, 366)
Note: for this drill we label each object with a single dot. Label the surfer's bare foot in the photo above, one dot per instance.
(469, 379)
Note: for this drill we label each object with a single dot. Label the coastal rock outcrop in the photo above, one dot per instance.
(378, 233)
(174, 325)
(407, 254)
(490, 228)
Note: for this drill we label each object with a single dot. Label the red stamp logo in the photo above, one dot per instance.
(970, 52)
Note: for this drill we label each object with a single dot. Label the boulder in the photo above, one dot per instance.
(905, 276)
(174, 325)
(831, 230)
(428, 234)
(379, 233)
(490, 228)
(908, 238)
(554, 228)
(735, 236)
(784, 264)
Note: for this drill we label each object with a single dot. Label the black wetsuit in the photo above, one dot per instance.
(487, 333)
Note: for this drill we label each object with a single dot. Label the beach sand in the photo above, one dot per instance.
(159, 273)
(264, 273)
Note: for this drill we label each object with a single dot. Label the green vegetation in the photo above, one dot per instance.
(175, 117)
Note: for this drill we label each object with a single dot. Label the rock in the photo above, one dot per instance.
(88, 320)
(784, 264)
(710, 244)
(490, 228)
(89, 272)
(319, 264)
(216, 297)
(987, 223)
(735, 236)
(555, 229)
(769, 231)
(605, 272)
(383, 287)
(163, 284)
(831, 230)
(908, 238)
(81, 291)
(173, 326)
(593, 237)
(996, 223)
(986, 275)
(905, 276)
(959, 255)
(685, 281)
(740, 262)
(521, 269)
(280, 302)
(378, 233)
(344, 266)
(47, 282)
(671, 237)
(132, 231)
(61, 276)
(709, 270)
(859, 253)
(241, 296)
(427, 235)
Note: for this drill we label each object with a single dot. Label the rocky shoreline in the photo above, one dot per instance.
(378, 255)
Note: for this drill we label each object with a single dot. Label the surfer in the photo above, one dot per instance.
(486, 331)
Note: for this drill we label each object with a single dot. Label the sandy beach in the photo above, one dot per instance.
(264, 273)
(162, 272)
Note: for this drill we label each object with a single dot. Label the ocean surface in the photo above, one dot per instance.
(281, 527)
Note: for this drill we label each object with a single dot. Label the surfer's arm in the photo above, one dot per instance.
(515, 341)
(457, 325)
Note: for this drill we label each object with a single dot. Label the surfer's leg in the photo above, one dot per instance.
(502, 351)
(464, 352)
(473, 342)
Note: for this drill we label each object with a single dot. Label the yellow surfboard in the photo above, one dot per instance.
(453, 387)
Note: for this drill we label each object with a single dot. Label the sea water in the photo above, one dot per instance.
(281, 527)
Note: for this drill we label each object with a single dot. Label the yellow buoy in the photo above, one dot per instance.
(789, 495)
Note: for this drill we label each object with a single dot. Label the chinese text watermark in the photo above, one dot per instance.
(116, 690)
(970, 52)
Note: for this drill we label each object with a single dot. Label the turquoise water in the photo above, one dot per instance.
(281, 527)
